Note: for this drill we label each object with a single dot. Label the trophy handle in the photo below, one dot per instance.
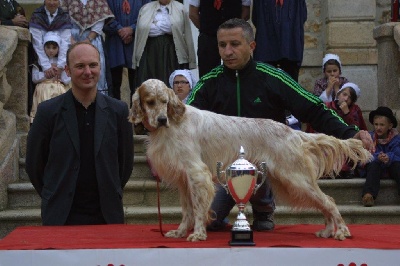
(219, 177)
(263, 172)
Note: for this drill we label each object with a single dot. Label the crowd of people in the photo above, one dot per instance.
(82, 46)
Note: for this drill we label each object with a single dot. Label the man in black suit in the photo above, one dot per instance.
(80, 148)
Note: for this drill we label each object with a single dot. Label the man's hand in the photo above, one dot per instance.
(366, 139)
(126, 34)
(20, 20)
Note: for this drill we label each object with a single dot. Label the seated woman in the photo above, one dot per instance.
(182, 82)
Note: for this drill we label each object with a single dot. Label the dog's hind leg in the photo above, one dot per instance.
(307, 194)
(327, 206)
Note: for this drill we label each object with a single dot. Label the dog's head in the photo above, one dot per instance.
(154, 105)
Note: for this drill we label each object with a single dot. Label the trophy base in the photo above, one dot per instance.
(242, 238)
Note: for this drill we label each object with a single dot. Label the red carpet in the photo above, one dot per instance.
(148, 236)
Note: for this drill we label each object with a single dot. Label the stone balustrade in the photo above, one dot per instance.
(14, 120)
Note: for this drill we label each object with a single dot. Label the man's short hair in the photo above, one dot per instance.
(233, 23)
(72, 46)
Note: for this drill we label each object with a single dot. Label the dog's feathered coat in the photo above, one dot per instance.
(185, 144)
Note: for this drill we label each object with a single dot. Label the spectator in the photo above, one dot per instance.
(80, 148)
(207, 15)
(345, 106)
(52, 87)
(182, 82)
(386, 161)
(88, 17)
(280, 33)
(243, 87)
(163, 41)
(12, 14)
(50, 18)
(119, 32)
(280, 38)
(328, 86)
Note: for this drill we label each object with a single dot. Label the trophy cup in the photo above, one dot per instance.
(241, 182)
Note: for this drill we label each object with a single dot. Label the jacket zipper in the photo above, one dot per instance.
(238, 93)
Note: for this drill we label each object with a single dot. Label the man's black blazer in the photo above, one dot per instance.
(53, 159)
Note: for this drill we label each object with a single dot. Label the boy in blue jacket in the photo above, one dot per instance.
(386, 160)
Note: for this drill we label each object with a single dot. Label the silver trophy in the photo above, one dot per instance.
(241, 182)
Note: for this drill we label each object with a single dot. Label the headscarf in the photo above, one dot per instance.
(183, 72)
(329, 57)
(51, 36)
(353, 86)
(85, 16)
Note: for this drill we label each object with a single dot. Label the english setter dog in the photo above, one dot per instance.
(185, 144)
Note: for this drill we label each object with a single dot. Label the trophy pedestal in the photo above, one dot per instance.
(242, 238)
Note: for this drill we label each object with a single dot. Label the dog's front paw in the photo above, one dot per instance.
(197, 237)
(342, 233)
(325, 233)
(175, 234)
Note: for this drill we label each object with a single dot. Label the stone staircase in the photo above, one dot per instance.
(140, 200)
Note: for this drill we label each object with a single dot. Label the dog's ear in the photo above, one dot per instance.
(136, 112)
(176, 108)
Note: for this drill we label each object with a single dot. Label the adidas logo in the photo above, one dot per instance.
(257, 100)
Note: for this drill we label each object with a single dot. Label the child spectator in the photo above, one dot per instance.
(345, 106)
(182, 82)
(386, 161)
(48, 88)
(327, 87)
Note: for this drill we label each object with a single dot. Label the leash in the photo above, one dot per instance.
(158, 206)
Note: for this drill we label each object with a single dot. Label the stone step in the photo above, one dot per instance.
(143, 192)
(141, 170)
(10, 219)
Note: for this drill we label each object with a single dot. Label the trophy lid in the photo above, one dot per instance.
(241, 163)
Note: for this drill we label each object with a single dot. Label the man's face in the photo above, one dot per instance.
(52, 5)
(83, 67)
(234, 50)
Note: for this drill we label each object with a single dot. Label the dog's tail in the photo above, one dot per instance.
(331, 153)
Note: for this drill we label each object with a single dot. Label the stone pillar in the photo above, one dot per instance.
(9, 143)
(388, 39)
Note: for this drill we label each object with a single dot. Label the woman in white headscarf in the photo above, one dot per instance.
(182, 82)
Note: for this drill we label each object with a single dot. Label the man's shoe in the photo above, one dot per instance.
(216, 226)
(263, 221)
(368, 200)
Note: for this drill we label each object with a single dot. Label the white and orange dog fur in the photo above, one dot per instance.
(185, 144)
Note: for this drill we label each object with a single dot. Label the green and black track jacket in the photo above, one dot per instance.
(260, 90)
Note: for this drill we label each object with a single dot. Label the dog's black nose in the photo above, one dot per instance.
(162, 120)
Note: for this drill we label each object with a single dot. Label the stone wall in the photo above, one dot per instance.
(14, 120)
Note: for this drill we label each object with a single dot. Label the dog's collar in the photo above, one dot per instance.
(147, 126)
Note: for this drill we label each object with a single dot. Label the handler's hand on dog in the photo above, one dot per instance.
(366, 139)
